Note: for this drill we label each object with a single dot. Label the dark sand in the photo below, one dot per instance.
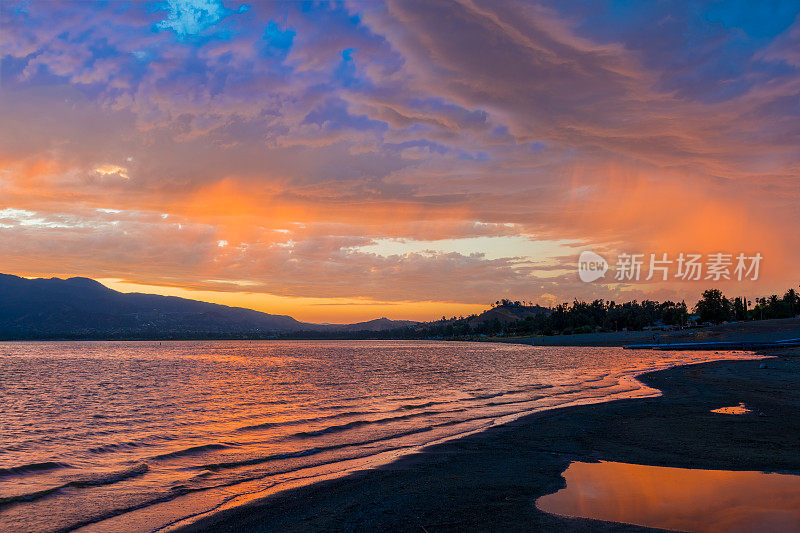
(489, 481)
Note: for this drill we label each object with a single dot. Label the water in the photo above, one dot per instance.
(137, 436)
(679, 499)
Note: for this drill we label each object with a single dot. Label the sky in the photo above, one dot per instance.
(344, 161)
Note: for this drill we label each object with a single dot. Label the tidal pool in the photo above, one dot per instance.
(678, 498)
(740, 409)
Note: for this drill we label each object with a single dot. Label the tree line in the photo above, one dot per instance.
(715, 307)
(589, 317)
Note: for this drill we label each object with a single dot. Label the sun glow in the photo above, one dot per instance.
(318, 310)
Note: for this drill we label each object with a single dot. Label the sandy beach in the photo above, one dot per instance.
(490, 481)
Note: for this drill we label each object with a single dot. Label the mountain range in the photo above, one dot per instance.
(85, 308)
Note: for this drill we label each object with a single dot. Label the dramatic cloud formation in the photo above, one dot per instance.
(293, 155)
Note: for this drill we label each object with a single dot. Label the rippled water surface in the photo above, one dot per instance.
(127, 436)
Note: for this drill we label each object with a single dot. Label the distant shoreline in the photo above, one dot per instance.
(753, 331)
(490, 480)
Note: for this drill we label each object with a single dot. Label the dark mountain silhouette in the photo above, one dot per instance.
(84, 308)
(379, 324)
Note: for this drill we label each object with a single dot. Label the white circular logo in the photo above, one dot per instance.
(591, 266)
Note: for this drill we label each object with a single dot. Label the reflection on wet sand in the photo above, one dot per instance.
(678, 498)
(740, 409)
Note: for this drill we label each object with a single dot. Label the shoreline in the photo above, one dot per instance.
(750, 332)
(491, 479)
(757, 335)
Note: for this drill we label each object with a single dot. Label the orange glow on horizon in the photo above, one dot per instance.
(316, 310)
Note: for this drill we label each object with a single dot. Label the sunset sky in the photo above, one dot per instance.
(341, 162)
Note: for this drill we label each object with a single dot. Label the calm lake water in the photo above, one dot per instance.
(138, 436)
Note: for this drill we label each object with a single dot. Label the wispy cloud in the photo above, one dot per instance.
(318, 140)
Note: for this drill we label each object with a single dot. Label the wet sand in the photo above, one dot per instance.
(490, 481)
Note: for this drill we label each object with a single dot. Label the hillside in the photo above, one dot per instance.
(508, 313)
(84, 308)
(378, 324)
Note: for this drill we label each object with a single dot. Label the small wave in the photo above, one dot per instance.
(267, 425)
(359, 423)
(309, 451)
(493, 395)
(92, 480)
(146, 440)
(192, 450)
(110, 477)
(411, 406)
(264, 459)
(256, 427)
(320, 449)
(599, 378)
(28, 497)
(410, 398)
(513, 391)
(514, 402)
(105, 448)
(543, 397)
(31, 468)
